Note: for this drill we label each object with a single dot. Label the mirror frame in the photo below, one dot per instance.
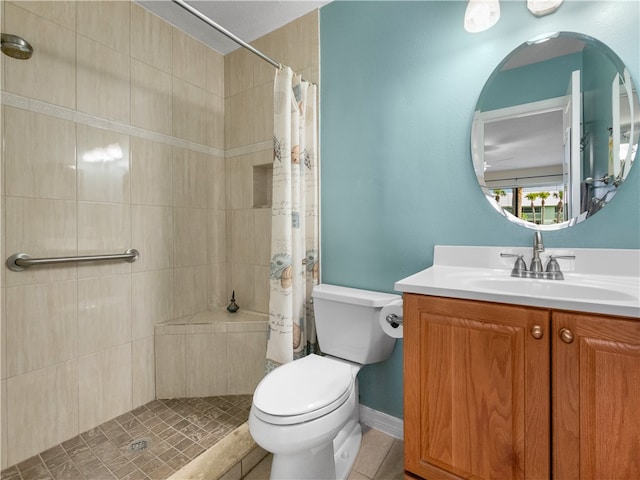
(609, 183)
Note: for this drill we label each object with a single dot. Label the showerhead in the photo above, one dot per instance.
(16, 47)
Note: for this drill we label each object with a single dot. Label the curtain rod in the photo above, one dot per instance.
(227, 33)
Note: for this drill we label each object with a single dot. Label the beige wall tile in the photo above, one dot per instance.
(103, 165)
(151, 98)
(190, 290)
(189, 111)
(301, 46)
(240, 277)
(218, 294)
(262, 118)
(249, 117)
(217, 238)
(106, 386)
(42, 410)
(215, 72)
(239, 179)
(104, 313)
(143, 371)
(60, 12)
(273, 45)
(245, 367)
(240, 230)
(42, 325)
(49, 232)
(173, 328)
(152, 301)
(190, 178)
(151, 39)
(206, 365)
(189, 59)
(103, 228)
(262, 236)
(170, 354)
(238, 72)
(3, 425)
(215, 121)
(45, 168)
(103, 81)
(153, 234)
(151, 172)
(261, 288)
(50, 75)
(114, 33)
(190, 233)
(3, 334)
(216, 183)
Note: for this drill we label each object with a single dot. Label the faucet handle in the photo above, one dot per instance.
(520, 267)
(553, 268)
(553, 262)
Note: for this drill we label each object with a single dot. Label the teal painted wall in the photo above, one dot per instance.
(399, 83)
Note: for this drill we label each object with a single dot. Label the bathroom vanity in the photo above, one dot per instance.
(522, 381)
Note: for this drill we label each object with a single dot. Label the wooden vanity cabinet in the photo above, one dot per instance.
(595, 397)
(488, 386)
(476, 390)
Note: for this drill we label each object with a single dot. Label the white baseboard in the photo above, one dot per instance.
(382, 421)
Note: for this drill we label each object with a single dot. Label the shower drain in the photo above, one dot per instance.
(138, 445)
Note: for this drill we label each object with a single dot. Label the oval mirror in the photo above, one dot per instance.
(555, 131)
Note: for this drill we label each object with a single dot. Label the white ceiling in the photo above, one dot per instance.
(248, 20)
(525, 142)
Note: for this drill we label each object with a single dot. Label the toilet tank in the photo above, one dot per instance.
(347, 323)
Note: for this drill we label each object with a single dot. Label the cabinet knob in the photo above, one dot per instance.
(537, 332)
(566, 335)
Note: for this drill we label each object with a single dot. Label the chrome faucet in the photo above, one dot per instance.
(552, 271)
(538, 247)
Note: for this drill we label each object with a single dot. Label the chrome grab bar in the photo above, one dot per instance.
(20, 261)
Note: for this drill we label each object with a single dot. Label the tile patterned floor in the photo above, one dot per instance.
(177, 431)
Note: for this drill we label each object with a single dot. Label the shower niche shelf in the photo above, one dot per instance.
(262, 185)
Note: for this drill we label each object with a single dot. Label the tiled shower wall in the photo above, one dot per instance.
(115, 136)
(249, 150)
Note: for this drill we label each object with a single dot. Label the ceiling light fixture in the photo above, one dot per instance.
(540, 8)
(481, 15)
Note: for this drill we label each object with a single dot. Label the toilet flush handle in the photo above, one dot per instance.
(394, 320)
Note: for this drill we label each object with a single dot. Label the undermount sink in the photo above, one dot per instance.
(596, 281)
(582, 289)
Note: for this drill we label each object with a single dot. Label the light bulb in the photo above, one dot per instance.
(540, 8)
(481, 15)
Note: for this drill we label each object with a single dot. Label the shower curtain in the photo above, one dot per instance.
(294, 220)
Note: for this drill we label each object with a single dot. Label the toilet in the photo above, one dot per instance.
(306, 412)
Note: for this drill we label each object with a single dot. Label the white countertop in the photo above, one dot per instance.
(603, 281)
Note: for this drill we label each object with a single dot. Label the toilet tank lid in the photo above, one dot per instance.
(354, 296)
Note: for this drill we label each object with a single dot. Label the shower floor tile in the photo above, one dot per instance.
(175, 431)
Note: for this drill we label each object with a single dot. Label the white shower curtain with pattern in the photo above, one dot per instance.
(294, 220)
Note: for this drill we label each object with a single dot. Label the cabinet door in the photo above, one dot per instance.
(476, 385)
(596, 400)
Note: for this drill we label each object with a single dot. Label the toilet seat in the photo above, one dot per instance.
(303, 390)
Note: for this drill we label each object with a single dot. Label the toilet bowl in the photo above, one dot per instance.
(306, 412)
(314, 431)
